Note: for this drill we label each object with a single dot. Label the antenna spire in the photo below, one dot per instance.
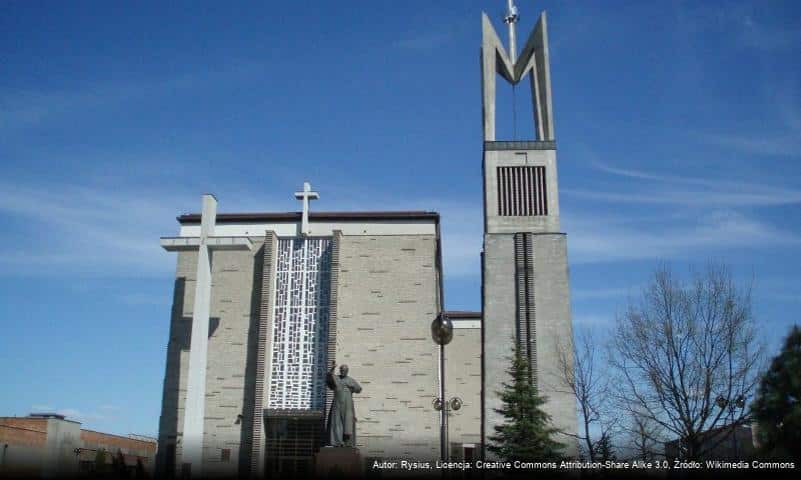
(510, 19)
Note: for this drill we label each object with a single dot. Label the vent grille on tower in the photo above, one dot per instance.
(522, 192)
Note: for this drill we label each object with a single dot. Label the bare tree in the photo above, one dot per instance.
(688, 357)
(645, 437)
(586, 380)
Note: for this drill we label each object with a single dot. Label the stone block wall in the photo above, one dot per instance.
(463, 380)
(554, 333)
(387, 295)
(387, 298)
(551, 298)
(232, 335)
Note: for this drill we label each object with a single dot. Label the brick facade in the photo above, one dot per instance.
(52, 445)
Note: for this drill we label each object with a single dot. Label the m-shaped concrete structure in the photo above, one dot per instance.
(525, 292)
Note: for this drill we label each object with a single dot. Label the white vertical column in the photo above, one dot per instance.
(194, 406)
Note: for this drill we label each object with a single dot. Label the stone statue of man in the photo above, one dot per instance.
(342, 417)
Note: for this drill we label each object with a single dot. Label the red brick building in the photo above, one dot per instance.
(51, 445)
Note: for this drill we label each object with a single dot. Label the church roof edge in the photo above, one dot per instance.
(321, 216)
(462, 314)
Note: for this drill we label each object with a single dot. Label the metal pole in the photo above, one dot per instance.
(442, 334)
(511, 19)
(443, 424)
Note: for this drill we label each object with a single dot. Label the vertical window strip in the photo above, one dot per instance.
(530, 191)
(508, 192)
(539, 192)
(521, 199)
(524, 192)
(525, 312)
(515, 192)
(502, 191)
(544, 192)
(535, 191)
(540, 203)
(499, 176)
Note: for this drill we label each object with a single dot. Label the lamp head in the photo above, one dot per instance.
(442, 330)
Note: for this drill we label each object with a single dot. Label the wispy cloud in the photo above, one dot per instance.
(779, 136)
(462, 237)
(643, 175)
(742, 24)
(431, 36)
(785, 145)
(26, 108)
(594, 240)
(777, 289)
(424, 41)
(137, 299)
(686, 197)
(90, 231)
(589, 321)
(107, 231)
(85, 229)
(687, 191)
(786, 297)
(602, 293)
(756, 34)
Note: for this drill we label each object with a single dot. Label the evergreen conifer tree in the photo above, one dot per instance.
(119, 465)
(527, 433)
(140, 469)
(777, 408)
(100, 460)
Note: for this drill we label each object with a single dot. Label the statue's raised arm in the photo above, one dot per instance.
(342, 416)
(331, 378)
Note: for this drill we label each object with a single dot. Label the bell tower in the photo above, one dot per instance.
(525, 289)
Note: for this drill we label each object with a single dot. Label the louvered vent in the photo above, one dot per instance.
(522, 192)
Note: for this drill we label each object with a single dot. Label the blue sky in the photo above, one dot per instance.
(678, 126)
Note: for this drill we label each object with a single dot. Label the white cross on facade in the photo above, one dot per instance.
(195, 403)
(306, 195)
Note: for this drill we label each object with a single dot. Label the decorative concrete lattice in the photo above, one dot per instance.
(300, 333)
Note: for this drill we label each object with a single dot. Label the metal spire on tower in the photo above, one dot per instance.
(510, 19)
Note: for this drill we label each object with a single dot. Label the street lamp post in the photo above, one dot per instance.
(442, 334)
(732, 405)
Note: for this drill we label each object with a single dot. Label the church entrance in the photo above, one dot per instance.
(293, 439)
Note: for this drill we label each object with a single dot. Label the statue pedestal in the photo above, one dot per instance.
(338, 462)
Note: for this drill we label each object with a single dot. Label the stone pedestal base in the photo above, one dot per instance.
(338, 462)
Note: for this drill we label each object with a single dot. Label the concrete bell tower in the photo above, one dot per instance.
(525, 290)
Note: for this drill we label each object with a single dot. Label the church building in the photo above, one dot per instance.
(265, 303)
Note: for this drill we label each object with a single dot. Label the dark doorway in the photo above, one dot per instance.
(293, 439)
